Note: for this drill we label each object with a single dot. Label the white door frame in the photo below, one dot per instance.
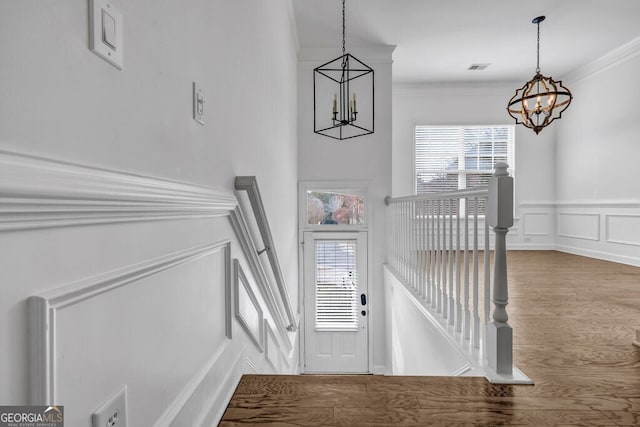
(361, 363)
(363, 188)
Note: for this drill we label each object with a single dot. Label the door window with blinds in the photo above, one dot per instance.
(336, 285)
(451, 158)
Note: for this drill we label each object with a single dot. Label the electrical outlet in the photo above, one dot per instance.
(113, 412)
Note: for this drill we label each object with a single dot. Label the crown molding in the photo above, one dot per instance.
(605, 62)
(292, 23)
(445, 88)
(373, 54)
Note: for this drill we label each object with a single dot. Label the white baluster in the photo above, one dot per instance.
(443, 299)
(413, 245)
(487, 274)
(428, 251)
(476, 317)
(458, 279)
(423, 253)
(500, 217)
(467, 313)
(434, 249)
(438, 260)
(451, 303)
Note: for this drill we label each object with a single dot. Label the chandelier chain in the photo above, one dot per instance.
(343, 28)
(538, 54)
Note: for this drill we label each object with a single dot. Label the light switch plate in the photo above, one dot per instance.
(198, 104)
(105, 32)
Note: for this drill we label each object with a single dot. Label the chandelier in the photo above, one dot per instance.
(343, 95)
(541, 100)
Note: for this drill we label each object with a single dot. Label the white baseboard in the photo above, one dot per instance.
(606, 256)
(530, 246)
(379, 370)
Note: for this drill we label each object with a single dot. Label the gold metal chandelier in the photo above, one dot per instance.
(541, 100)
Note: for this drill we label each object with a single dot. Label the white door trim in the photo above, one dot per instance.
(361, 237)
(363, 186)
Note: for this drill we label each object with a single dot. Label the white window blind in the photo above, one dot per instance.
(460, 157)
(336, 285)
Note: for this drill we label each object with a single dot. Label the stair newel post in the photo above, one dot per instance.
(499, 335)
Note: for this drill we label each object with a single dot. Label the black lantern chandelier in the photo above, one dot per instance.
(337, 111)
(541, 100)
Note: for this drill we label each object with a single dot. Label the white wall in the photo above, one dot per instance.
(364, 158)
(467, 104)
(598, 178)
(61, 101)
(434, 353)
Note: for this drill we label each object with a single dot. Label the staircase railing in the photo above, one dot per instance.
(435, 242)
(250, 185)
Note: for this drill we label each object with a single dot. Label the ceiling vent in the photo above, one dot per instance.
(478, 67)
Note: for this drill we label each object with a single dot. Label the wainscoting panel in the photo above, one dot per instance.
(608, 230)
(536, 223)
(122, 279)
(271, 348)
(623, 229)
(131, 323)
(248, 311)
(576, 225)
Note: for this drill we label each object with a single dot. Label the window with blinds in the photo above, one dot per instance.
(336, 285)
(460, 157)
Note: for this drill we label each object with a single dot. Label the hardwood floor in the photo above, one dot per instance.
(574, 321)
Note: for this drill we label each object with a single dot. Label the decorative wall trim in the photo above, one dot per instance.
(37, 192)
(43, 309)
(530, 230)
(216, 401)
(291, 15)
(179, 403)
(248, 311)
(271, 350)
(251, 253)
(624, 241)
(250, 185)
(611, 59)
(582, 204)
(561, 226)
(607, 256)
(381, 54)
(250, 366)
(417, 90)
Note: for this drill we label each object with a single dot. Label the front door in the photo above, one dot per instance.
(335, 302)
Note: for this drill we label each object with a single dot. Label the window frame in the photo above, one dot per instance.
(462, 173)
(355, 187)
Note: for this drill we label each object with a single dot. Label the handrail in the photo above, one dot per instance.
(250, 185)
(472, 192)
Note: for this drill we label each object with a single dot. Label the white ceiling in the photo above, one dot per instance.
(438, 40)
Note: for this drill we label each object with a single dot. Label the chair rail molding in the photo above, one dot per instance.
(39, 192)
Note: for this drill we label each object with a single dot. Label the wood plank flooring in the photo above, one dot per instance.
(574, 320)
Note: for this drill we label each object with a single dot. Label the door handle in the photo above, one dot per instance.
(363, 299)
